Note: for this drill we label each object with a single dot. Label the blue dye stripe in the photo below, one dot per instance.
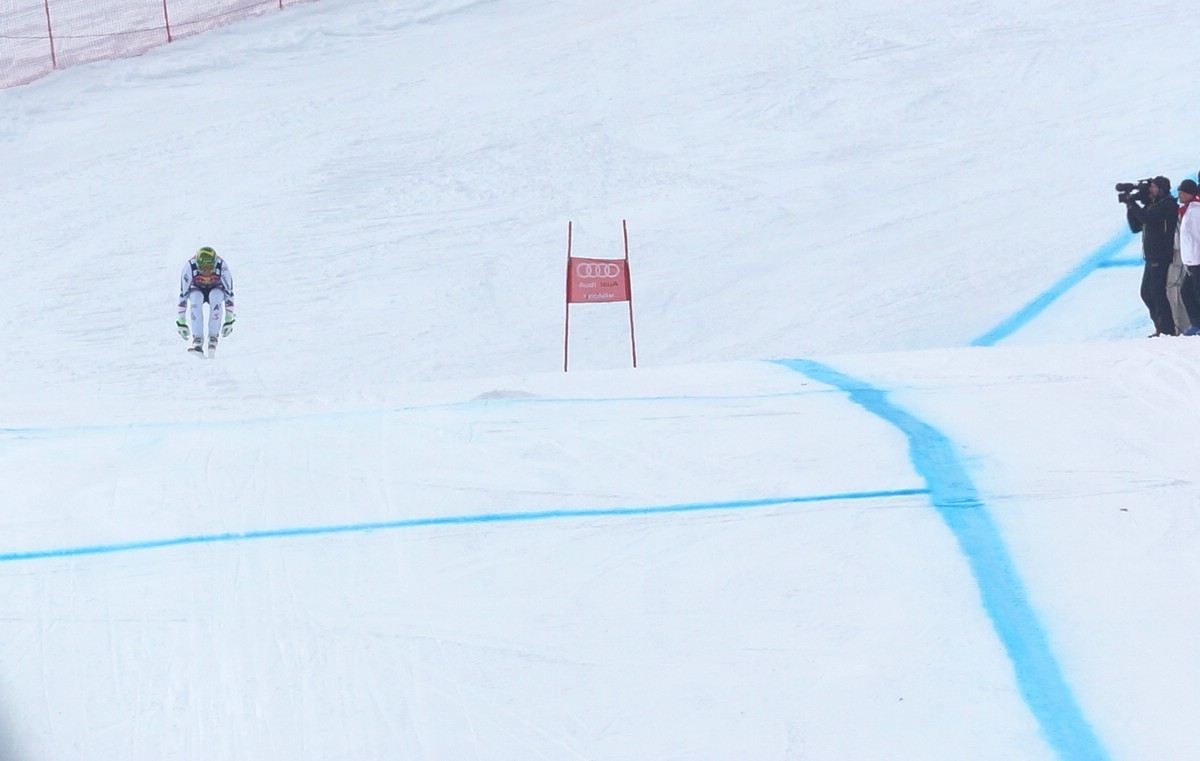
(1043, 300)
(957, 501)
(453, 520)
(473, 405)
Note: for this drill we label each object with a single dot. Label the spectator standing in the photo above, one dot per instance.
(1156, 216)
(1189, 243)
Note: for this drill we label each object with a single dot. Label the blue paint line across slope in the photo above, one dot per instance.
(451, 520)
(472, 405)
(957, 501)
(1026, 314)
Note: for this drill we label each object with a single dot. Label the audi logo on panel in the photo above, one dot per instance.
(595, 269)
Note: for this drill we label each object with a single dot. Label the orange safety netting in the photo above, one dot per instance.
(39, 36)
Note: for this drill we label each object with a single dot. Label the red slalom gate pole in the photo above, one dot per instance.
(567, 302)
(629, 290)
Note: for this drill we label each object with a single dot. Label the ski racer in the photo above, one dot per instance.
(206, 279)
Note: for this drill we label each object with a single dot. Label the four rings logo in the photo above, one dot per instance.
(596, 269)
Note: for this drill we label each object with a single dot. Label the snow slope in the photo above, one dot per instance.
(382, 524)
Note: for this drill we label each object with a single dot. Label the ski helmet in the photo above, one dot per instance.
(206, 258)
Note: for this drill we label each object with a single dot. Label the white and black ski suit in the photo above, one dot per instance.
(197, 288)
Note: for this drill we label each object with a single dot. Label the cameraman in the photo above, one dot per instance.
(1154, 213)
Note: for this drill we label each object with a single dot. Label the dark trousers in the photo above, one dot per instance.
(1189, 294)
(1154, 296)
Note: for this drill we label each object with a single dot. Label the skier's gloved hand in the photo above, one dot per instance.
(182, 327)
(227, 328)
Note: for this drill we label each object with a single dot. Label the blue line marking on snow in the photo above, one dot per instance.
(1043, 300)
(1121, 263)
(453, 520)
(1003, 595)
(33, 432)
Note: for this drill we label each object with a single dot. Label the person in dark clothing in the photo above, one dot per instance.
(1155, 216)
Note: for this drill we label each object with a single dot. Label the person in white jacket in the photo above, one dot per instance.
(206, 279)
(1189, 239)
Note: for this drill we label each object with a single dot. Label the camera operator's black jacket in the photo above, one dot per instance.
(1156, 222)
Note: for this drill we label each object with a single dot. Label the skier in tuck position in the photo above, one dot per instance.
(206, 279)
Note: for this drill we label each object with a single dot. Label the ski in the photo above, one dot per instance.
(197, 350)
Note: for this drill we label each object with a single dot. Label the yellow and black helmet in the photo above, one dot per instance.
(206, 258)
